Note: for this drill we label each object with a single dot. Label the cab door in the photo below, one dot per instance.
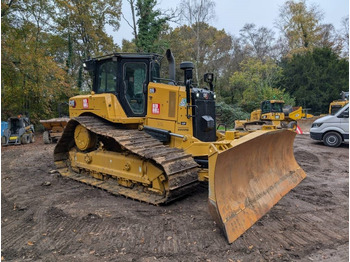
(133, 86)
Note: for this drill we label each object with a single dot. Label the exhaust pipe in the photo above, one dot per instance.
(171, 61)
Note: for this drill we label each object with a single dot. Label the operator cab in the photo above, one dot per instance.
(272, 106)
(126, 76)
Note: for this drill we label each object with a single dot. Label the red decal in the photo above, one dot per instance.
(156, 109)
(85, 103)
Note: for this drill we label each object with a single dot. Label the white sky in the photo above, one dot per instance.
(232, 15)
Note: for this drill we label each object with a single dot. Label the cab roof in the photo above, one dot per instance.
(152, 56)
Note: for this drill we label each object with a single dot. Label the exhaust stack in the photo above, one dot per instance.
(171, 61)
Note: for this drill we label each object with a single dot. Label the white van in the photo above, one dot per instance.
(332, 129)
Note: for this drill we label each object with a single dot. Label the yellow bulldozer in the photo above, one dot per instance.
(153, 139)
(273, 114)
(335, 105)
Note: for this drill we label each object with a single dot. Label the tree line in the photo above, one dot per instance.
(44, 43)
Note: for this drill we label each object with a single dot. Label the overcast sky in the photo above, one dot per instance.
(232, 15)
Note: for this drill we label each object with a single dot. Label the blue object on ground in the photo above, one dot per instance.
(4, 125)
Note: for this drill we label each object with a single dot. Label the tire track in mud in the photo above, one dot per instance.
(70, 221)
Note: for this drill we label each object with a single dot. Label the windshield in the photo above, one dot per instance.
(107, 78)
(268, 107)
(335, 108)
(155, 73)
(342, 110)
(277, 107)
(134, 80)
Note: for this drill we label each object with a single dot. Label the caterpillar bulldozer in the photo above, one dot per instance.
(154, 140)
(273, 114)
(335, 105)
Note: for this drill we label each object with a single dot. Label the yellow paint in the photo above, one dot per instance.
(83, 138)
(125, 168)
(106, 106)
(336, 105)
(164, 118)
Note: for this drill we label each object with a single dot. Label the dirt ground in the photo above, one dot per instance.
(45, 217)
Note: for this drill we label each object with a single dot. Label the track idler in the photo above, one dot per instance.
(249, 176)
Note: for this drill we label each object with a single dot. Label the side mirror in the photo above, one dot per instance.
(209, 78)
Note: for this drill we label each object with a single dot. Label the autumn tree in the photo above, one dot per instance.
(300, 24)
(83, 25)
(33, 80)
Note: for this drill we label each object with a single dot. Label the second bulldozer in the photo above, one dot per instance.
(335, 105)
(153, 139)
(273, 114)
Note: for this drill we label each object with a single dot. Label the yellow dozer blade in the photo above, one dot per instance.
(247, 179)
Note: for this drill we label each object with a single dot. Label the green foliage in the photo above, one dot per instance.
(150, 25)
(255, 82)
(252, 99)
(70, 52)
(227, 114)
(128, 46)
(82, 25)
(315, 78)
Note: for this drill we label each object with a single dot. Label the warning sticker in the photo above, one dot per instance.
(85, 103)
(183, 102)
(156, 109)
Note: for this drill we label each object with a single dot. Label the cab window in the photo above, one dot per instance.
(107, 78)
(155, 72)
(134, 79)
(335, 108)
(266, 107)
(276, 107)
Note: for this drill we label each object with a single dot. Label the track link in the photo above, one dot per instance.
(179, 168)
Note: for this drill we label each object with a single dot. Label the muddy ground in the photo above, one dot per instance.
(45, 217)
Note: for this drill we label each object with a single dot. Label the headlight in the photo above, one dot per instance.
(316, 124)
(277, 117)
(197, 95)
